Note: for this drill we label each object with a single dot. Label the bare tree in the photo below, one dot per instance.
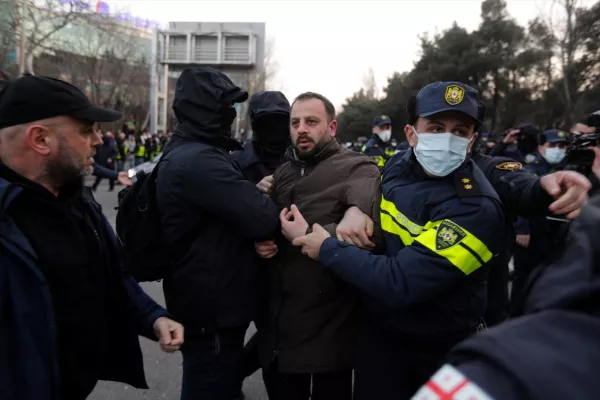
(36, 24)
(107, 61)
(370, 89)
(574, 29)
(257, 81)
(567, 40)
(265, 80)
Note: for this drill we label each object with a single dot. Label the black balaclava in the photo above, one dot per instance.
(272, 132)
(527, 144)
(228, 115)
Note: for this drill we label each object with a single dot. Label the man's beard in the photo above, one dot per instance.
(65, 167)
(306, 155)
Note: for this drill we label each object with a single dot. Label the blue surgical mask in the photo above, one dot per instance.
(554, 155)
(440, 154)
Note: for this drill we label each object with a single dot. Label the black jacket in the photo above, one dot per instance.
(269, 113)
(105, 152)
(210, 214)
(28, 330)
(255, 163)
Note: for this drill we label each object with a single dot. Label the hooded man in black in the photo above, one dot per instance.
(211, 216)
(270, 118)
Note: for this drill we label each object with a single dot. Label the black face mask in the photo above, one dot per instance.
(526, 145)
(228, 115)
(272, 132)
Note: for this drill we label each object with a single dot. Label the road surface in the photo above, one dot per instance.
(163, 371)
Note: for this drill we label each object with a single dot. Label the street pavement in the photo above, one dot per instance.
(163, 371)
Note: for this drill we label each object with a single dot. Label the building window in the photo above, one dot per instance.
(236, 48)
(177, 47)
(206, 48)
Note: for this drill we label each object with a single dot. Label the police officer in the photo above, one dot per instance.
(552, 352)
(553, 149)
(378, 146)
(140, 151)
(443, 223)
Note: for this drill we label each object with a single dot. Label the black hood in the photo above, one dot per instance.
(200, 96)
(265, 103)
(269, 115)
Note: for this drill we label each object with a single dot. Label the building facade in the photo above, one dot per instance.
(237, 49)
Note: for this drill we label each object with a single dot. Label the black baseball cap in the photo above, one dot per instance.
(448, 96)
(32, 98)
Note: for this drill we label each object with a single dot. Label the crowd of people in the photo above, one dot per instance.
(381, 275)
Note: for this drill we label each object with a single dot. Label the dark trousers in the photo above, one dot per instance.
(389, 367)
(111, 183)
(324, 386)
(212, 366)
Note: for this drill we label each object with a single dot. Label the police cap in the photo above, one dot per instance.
(556, 136)
(448, 96)
(382, 120)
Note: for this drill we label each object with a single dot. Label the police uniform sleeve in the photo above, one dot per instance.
(462, 242)
(520, 190)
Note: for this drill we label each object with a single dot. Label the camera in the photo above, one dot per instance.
(594, 120)
(579, 156)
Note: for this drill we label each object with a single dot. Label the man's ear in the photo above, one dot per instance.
(411, 137)
(38, 139)
(333, 128)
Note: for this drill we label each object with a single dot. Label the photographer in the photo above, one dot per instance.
(580, 154)
(591, 124)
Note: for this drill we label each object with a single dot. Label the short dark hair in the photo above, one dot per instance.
(329, 108)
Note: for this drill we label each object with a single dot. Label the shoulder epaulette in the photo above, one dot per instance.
(466, 185)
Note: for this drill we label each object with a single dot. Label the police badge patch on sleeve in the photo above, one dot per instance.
(448, 235)
(450, 384)
(509, 166)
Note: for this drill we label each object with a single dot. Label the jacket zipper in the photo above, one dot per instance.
(276, 350)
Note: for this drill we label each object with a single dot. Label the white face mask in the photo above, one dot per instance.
(440, 154)
(385, 135)
(554, 155)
